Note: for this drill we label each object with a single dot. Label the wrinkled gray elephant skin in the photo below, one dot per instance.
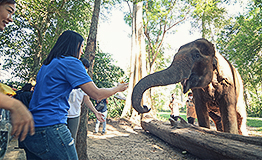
(216, 85)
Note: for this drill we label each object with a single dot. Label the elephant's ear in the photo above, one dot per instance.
(205, 47)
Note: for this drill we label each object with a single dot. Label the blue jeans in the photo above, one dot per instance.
(104, 123)
(51, 142)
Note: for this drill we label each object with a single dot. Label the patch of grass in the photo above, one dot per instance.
(255, 122)
(251, 121)
(164, 116)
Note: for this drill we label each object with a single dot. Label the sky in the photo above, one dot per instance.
(114, 38)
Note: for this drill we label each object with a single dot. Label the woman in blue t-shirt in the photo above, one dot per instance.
(61, 72)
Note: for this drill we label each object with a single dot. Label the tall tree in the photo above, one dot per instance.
(90, 53)
(158, 17)
(137, 60)
(81, 142)
(91, 40)
(37, 26)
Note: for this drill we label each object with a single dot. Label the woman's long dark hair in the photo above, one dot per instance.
(7, 1)
(68, 44)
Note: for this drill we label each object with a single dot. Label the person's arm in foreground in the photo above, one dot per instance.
(90, 105)
(21, 119)
(101, 93)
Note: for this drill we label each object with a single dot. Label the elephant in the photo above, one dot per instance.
(216, 85)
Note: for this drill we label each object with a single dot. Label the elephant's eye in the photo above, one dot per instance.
(196, 55)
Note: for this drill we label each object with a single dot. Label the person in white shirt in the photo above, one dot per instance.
(76, 97)
(174, 106)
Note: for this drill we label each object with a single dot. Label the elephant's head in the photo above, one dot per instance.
(192, 66)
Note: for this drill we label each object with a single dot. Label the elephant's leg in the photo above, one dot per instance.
(228, 113)
(201, 110)
(217, 120)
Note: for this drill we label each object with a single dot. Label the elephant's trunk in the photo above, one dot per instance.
(173, 74)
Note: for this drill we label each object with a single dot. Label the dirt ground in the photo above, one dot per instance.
(122, 141)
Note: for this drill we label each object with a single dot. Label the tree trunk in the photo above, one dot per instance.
(81, 139)
(127, 109)
(138, 60)
(81, 142)
(205, 143)
(91, 40)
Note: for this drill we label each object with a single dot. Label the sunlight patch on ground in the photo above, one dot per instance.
(157, 147)
(257, 118)
(111, 132)
(128, 129)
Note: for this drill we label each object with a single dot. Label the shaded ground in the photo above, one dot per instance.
(122, 141)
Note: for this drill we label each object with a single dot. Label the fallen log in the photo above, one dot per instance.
(205, 143)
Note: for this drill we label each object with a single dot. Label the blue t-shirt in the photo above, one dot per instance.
(54, 83)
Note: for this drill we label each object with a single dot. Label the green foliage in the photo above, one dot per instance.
(36, 28)
(241, 44)
(107, 75)
(162, 97)
(15, 48)
(163, 116)
(158, 102)
(254, 109)
(115, 107)
(159, 17)
(209, 16)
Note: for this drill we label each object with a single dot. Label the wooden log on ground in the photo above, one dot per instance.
(205, 143)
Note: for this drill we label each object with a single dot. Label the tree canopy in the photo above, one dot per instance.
(36, 27)
(241, 44)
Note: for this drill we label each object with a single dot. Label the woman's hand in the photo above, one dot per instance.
(100, 116)
(22, 121)
(122, 86)
(21, 118)
(101, 93)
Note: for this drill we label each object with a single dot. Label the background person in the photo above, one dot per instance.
(190, 109)
(25, 94)
(76, 97)
(104, 112)
(174, 106)
(61, 72)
